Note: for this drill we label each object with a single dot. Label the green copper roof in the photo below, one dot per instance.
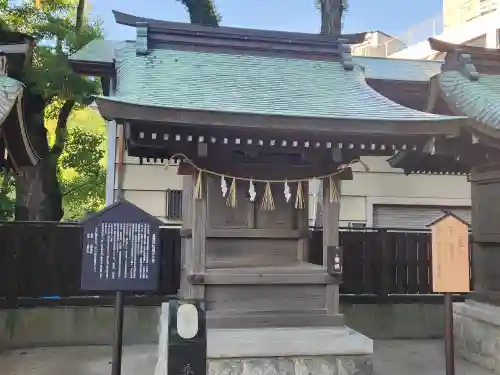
(253, 85)
(478, 100)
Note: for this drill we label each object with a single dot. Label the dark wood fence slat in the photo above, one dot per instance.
(412, 262)
(423, 263)
(370, 257)
(386, 263)
(366, 263)
(350, 281)
(401, 277)
(390, 262)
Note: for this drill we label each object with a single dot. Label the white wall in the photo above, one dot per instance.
(144, 185)
(385, 185)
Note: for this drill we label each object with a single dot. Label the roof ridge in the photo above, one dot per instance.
(151, 32)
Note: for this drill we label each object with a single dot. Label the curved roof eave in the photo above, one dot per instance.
(113, 108)
(443, 46)
(479, 100)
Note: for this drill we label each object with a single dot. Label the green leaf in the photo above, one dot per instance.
(7, 197)
(53, 25)
(82, 173)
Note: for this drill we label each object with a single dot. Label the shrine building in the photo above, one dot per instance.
(248, 118)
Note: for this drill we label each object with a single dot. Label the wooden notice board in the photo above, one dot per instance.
(450, 255)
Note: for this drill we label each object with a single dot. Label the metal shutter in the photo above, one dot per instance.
(413, 217)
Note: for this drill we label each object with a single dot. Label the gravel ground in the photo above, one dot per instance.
(401, 357)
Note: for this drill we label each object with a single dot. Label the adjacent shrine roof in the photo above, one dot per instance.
(11, 90)
(477, 99)
(173, 70)
(470, 84)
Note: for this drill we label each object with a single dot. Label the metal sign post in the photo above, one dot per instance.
(449, 349)
(116, 360)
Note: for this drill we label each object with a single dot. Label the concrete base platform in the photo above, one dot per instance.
(277, 351)
(477, 333)
(286, 342)
(290, 351)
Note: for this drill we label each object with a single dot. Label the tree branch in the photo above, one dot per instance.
(81, 12)
(61, 128)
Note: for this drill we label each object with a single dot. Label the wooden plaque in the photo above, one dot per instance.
(450, 255)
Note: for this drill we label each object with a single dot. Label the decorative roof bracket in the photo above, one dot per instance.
(461, 62)
(142, 39)
(468, 69)
(347, 61)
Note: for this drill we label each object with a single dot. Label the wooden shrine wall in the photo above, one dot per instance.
(269, 248)
(247, 236)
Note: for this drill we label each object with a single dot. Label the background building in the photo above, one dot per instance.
(471, 22)
(458, 12)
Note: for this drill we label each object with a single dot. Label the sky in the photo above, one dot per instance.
(393, 17)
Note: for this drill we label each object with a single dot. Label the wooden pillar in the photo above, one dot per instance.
(194, 226)
(331, 211)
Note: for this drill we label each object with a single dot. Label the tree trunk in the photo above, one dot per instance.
(331, 16)
(38, 192)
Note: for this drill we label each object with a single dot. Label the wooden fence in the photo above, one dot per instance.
(383, 261)
(43, 260)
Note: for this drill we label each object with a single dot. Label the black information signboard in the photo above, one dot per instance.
(121, 250)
